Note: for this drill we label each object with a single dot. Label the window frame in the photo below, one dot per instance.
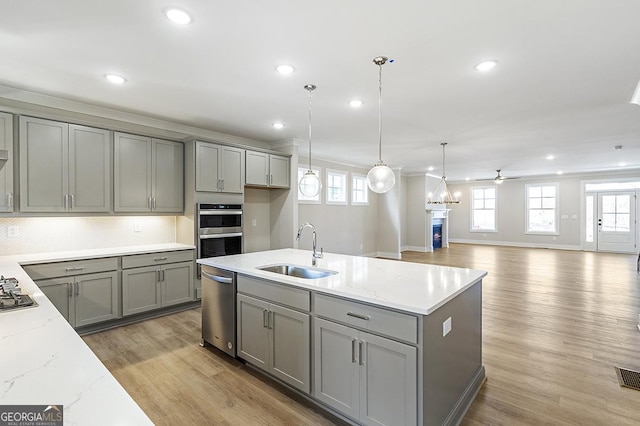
(556, 209)
(495, 210)
(359, 176)
(303, 200)
(329, 201)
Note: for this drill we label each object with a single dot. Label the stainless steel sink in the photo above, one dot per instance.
(297, 271)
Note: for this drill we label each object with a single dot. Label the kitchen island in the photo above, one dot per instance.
(376, 342)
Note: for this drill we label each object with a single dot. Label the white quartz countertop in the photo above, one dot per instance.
(411, 287)
(44, 361)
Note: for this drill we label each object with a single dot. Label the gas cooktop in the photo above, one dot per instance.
(11, 296)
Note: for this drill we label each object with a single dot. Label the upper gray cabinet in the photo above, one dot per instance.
(64, 167)
(6, 174)
(267, 170)
(148, 174)
(219, 168)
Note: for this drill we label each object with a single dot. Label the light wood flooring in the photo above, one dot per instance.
(555, 323)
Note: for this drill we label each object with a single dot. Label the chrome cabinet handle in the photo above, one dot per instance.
(149, 203)
(162, 274)
(77, 285)
(70, 201)
(65, 202)
(71, 287)
(362, 317)
(76, 268)
(360, 352)
(353, 350)
(265, 318)
(9, 199)
(158, 275)
(266, 178)
(222, 180)
(270, 319)
(159, 259)
(153, 203)
(218, 279)
(271, 181)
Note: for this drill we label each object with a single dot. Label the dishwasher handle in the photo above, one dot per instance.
(218, 279)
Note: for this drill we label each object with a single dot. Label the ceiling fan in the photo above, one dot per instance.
(499, 178)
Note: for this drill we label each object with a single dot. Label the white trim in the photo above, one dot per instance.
(389, 255)
(353, 175)
(344, 173)
(421, 249)
(495, 209)
(516, 244)
(556, 209)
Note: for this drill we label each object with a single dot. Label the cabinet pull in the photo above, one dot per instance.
(159, 259)
(362, 317)
(77, 286)
(153, 203)
(70, 201)
(360, 350)
(64, 201)
(265, 318)
(158, 275)
(222, 180)
(9, 199)
(71, 287)
(75, 268)
(149, 203)
(266, 178)
(353, 350)
(162, 270)
(270, 319)
(271, 181)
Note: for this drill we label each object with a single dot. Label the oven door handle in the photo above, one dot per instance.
(209, 236)
(218, 279)
(219, 212)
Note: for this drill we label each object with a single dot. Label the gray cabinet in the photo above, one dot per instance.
(219, 168)
(267, 170)
(6, 174)
(64, 167)
(149, 174)
(367, 377)
(273, 337)
(155, 280)
(84, 291)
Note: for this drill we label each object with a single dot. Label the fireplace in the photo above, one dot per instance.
(437, 227)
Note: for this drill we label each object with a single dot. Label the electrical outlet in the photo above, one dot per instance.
(361, 246)
(446, 327)
(12, 231)
(555, 238)
(253, 222)
(137, 227)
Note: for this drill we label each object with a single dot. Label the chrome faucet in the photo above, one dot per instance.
(315, 255)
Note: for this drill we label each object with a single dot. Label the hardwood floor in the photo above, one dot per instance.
(555, 323)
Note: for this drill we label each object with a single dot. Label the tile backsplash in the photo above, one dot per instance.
(19, 235)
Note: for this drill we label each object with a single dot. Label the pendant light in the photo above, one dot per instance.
(442, 194)
(380, 178)
(310, 184)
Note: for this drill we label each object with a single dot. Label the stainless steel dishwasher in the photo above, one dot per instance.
(219, 309)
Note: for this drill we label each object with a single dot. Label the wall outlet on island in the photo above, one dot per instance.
(12, 231)
(137, 227)
(253, 222)
(361, 246)
(446, 327)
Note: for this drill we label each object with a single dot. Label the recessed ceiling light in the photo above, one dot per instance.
(467, 178)
(277, 125)
(115, 78)
(285, 69)
(430, 168)
(486, 65)
(560, 172)
(178, 16)
(550, 157)
(622, 164)
(355, 103)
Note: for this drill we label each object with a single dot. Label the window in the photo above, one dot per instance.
(616, 213)
(336, 187)
(302, 169)
(542, 211)
(359, 190)
(483, 213)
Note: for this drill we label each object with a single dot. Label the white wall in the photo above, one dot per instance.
(415, 214)
(46, 234)
(256, 208)
(390, 220)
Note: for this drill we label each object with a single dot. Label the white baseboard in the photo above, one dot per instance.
(389, 255)
(515, 244)
(422, 249)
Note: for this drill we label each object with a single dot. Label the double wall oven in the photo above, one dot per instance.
(219, 229)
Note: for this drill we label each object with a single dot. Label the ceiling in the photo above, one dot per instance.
(567, 70)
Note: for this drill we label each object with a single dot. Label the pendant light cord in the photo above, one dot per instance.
(380, 113)
(310, 88)
(444, 175)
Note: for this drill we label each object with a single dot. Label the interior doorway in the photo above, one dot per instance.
(610, 223)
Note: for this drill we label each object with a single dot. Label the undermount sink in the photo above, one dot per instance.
(297, 271)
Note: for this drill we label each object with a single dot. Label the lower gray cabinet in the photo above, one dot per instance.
(152, 287)
(275, 339)
(369, 378)
(84, 299)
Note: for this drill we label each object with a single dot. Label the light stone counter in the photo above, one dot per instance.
(410, 287)
(44, 361)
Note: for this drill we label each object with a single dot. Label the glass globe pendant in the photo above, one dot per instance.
(380, 178)
(310, 184)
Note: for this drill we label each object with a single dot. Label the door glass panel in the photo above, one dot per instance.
(622, 223)
(622, 203)
(608, 204)
(589, 219)
(608, 222)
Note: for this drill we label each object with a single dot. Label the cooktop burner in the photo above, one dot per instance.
(11, 296)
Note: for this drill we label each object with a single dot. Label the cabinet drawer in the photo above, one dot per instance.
(160, 258)
(73, 267)
(278, 293)
(377, 320)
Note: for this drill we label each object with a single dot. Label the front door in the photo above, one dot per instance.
(616, 222)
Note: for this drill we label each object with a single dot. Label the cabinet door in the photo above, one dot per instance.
(96, 298)
(207, 161)
(44, 158)
(388, 382)
(6, 174)
(290, 347)
(177, 283)
(279, 171)
(253, 331)
(232, 166)
(168, 176)
(257, 168)
(132, 173)
(59, 291)
(140, 290)
(336, 375)
(89, 169)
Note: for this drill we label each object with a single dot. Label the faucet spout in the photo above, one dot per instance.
(315, 255)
